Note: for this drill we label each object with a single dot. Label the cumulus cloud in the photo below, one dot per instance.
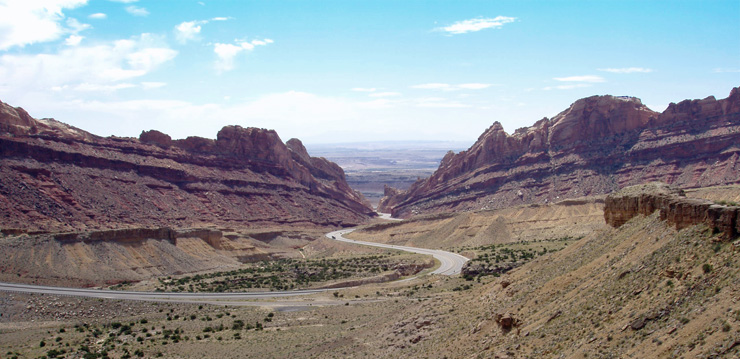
(97, 16)
(73, 40)
(137, 11)
(478, 24)
(188, 30)
(627, 70)
(84, 67)
(226, 53)
(584, 78)
(25, 22)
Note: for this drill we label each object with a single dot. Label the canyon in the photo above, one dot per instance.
(58, 178)
(598, 145)
(80, 209)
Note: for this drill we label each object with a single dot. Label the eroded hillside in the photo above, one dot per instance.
(59, 178)
(598, 145)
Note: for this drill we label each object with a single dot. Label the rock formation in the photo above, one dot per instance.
(598, 145)
(674, 207)
(57, 178)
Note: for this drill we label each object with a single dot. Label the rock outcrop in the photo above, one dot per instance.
(57, 178)
(674, 207)
(598, 145)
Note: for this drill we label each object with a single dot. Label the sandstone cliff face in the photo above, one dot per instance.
(674, 207)
(57, 178)
(598, 145)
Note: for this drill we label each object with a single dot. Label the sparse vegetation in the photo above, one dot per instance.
(285, 274)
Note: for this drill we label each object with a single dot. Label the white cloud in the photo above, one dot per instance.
(152, 85)
(73, 40)
(474, 86)
(438, 102)
(585, 78)
(226, 53)
(88, 87)
(720, 70)
(567, 87)
(97, 16)
(104, 64)
(25, 22)
(431, 86)
(627, 70)
(363, 89)
(137, 11)
(75, 26)
(220, 18)
(384, 94)
(449, 87)
(188, 30)
(472, 25)
(312, 118)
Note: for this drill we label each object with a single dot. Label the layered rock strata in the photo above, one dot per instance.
(58, 178)
(598, 145)
(674, 207)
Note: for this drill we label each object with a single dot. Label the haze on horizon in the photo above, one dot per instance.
(339, 72)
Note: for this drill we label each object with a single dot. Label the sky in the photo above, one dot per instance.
(348, 71)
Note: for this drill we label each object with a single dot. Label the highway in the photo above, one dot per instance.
(451, 264)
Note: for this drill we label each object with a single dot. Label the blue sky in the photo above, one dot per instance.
(344, 71)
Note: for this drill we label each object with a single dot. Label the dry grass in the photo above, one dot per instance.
(642, 290)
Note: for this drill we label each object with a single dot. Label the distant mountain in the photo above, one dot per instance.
(55, 177)
(598, 145)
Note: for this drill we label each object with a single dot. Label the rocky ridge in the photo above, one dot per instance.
(58, 178)
(598, 145)
(674, 208)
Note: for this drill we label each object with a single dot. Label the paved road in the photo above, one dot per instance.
(153, 296)
(388, 217)
(451, 263)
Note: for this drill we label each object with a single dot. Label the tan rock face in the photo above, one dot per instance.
(674, 207)
(598, 145)
(14, 120)
(54, 177)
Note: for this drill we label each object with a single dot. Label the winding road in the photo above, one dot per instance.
(450, 264)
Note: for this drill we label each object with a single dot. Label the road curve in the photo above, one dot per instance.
(451, 263)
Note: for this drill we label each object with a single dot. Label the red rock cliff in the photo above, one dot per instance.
(598, 145)
(54, 177)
